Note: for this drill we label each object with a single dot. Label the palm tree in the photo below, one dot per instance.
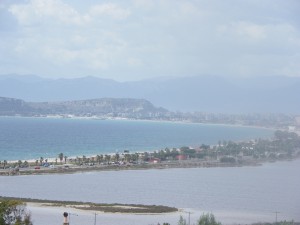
(26, 164)
(127, 157)
(79, 160)
(84, 159)
(65, 159)
(98, 159)
(41, 160)
(61, 157)
(4, 164)
(117, 157)
(107, 158)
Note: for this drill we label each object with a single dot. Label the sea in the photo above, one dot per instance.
(235, 195)
(31, 138)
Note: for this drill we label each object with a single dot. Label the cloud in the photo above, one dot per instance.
(37, 11)
(252, 31)
(145, 38)
(134, 62)
(109, 9)
(244, 30)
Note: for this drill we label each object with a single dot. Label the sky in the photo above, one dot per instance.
(130, 40)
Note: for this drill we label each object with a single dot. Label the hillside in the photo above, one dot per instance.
(129, 108)
(203, 93)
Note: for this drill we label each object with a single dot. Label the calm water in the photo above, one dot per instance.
(241, 195)
(32, 138)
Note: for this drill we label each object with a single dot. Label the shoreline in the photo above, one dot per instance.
(98, 207)
(183, 164)
(52, 158)
(142, 120)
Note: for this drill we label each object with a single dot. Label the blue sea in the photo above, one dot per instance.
(32, 138)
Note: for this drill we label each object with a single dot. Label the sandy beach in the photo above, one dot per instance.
(42, 214)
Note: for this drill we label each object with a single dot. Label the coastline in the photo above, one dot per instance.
(52, 158)
(142, 120)
(184, 164)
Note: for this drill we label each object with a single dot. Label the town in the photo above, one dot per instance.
(284, 146)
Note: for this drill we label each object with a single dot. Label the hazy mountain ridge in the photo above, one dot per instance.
(203, 93)
(95, 107)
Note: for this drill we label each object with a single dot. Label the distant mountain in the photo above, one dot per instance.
(106, 107)
(203, 93)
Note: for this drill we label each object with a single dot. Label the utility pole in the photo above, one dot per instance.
(189, 217)
(276, 215)
(95, 220)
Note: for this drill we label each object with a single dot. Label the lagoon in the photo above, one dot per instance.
(234, 195)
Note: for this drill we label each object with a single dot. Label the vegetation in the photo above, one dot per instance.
(182, 221)
(283, 146)
(112, 208)
(279, 223)
(13, 212)
(207, 219)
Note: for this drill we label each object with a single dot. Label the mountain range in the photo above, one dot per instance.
(215, 94)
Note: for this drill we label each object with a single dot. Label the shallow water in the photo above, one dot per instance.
(234, 195)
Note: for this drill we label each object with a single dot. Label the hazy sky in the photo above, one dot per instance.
(138, 39)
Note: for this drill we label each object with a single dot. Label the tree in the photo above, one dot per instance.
(26, 164)
(98, 159)
(41, 161)
(107, 158)
(182, 221)
(117, 157)
(61, 157)
(207, 219)
(127, 157)
(65, 159)
(13, 212)
(4, 164)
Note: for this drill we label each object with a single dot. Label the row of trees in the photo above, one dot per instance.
(283, 145)
(283, 142)
(205, 219)
(209, 219)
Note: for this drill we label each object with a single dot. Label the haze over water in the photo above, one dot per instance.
(32, 138)
(234, 194)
